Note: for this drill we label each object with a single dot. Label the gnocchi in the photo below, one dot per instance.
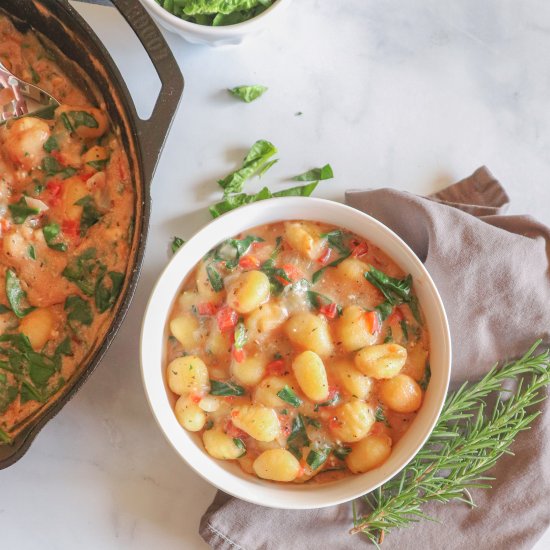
(286, 365)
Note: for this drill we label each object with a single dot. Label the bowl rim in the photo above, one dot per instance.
(208, 30)
(209, 468)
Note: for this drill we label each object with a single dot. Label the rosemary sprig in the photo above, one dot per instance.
(468, 439)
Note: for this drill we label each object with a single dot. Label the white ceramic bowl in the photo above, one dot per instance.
(214, 36)
(227, 475)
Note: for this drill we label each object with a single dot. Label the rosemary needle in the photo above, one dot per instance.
(468, 439)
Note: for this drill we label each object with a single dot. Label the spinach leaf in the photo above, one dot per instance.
(34, 75)
(275, 276)
(313, 422)
(239, 443)
(380, 416)
(90, 213)
(51, 231)
(31, 252)
(64, 348)
(66, 122)
(225, 388)
(21, 210)
(4, 437)
(177, 243)
(8, 392)
(248, 93)
(318, 274)
(16, 295)
(300, 191)
(51, 144)
(216, 281)
(288, 395)
(341, 452)
(84, 270)
(336, 240)
(241, 335)
(389, 335)
(403, 324)
(234, 201)
(396, 291)
(298, 437)
(106, 293)
(426, 378)
(51, 167)
(259, 154)
(266, 167)
(324, 173)
(79, 311)
(385, 309)
(98, 164)
(316, 459)
(82, 118)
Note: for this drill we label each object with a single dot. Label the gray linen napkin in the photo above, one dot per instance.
(493, 274)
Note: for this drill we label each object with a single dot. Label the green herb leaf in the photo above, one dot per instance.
(300, 191)
(288, 395)
(234, 201)
(380, 416)
(64, 348)
(177, 243)
(328, 403)
(66, 122)
(35, 76)
(16, 295)
(21, 210)
(298, 437)
(51, 144)
(389, 336)
(396, 291)
(319, 273)
(51, 231)
(79, 311)
(225, 388)
(107, 290)
(90, 214)
(239, 443)
(259, 154)
(385, 309)
(426, 378)
(324, 173)
(98, 164)
(341, 452)
(8, 392)
(241, 335)
(84, 270)
(248, 93)
(336, 239)
(31, 252)
(4, 437)
(216, 281)
(313, 422)
(316, 459)
(82, 118)
(404, 329)
(51, 167)
(4, 309)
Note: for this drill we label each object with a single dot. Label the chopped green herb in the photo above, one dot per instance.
(329, 403)
(284, 411)
(98, 164)
(389, 336)
(176, 244)
(396, 291)
(287, 394)
(51, 144)
(341, 452)
(241, 335)
(324, 173)
(35, 76)
(107, 290)
(16, 295)
(90, 214)
(84, 270)
(82, 118)
(4, 437)
(300, 191)
(79, 311)
(215, 279)
(51, 231)
(316, 459)
(248, 93)
(385, 309)
(298, 437)
(31, 252)
(239, 443)
(404, 329)
(266, 167)
(426, 378)
(225, 388)
(4, 309)
(21, 210)
(336, 240)
(318, 274)
(66, 122)
(313, 422)
(380, 416)
(64, 348)
(51, 167)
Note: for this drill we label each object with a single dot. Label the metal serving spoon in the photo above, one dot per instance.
(23, 99)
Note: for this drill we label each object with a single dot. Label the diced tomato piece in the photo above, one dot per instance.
(293, 272)
(206, 308)
(85, 176)
(232, 430)
(330, 311)
(227, 319)
(70, 228)
(53, 190)
(196, 398)
(58, 156)
(360, 249)
(282, 280)
(396, 316)
(325, 256)
(276, 368)
(249, 262)
(238, 354)
(4, 226)
(372, 321)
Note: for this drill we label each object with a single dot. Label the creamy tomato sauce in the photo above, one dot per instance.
(299, 350)
(66, 211)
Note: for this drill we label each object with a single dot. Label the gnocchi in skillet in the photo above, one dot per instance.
(299, 350)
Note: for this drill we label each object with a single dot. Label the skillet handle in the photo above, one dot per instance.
(152, 132)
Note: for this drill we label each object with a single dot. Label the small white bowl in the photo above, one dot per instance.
(227, 475)
(214, 36)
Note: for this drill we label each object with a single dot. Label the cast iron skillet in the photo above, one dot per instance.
(142, 139)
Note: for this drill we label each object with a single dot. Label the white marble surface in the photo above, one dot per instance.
(407, 94)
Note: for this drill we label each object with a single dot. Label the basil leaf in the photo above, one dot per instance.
(106, 293)
(300, 191)
(84, 270)
(51, 144)
(295, 451)
(241, 335)
(324, 173)
(288, 395)
(242, 245)
(21, 210)
(316, 459)
(30, 393)
(234, 201)
(239, 443)
(82, 118)
(317, 300)
(225, 388)
(336, 240)
(259, 154)
(51, 231)
(385, 309)
(16, 295)
(177, 243)
(41, 369)
(90, 213)
(341, 452)
(216, 282)
(248, 93)
(79, 311)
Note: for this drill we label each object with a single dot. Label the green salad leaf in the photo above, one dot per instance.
(248, 93)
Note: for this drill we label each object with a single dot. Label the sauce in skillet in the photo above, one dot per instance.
(299, 350)
(66, 218)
